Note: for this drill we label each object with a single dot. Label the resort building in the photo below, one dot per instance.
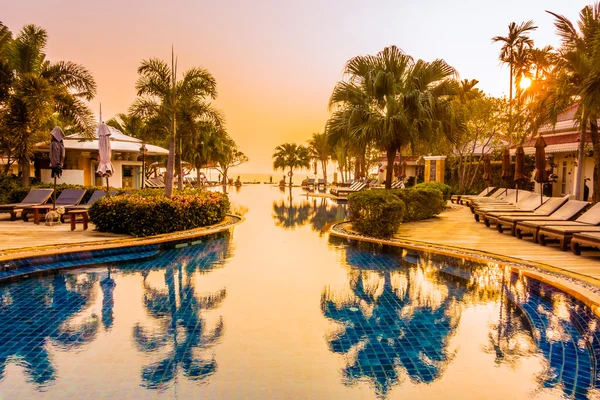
(82, 160)
(562, 142)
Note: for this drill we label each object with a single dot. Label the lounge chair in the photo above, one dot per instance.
(155, 182)
(398, 185)
(584, 239)
(501, 196)
(590, 217)
(68, 197)
(504, 220)
(346, 192)
(564, 233)
(458, 198)
(528, 202)
(35, 197)
(334, 190)
(321, 182)
(95, 196)
(310, 182)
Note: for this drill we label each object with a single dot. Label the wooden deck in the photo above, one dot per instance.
(457, 227)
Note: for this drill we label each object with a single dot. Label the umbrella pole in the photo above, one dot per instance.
(517, 187)
(107, 190)
(54, 195)
(541, 194)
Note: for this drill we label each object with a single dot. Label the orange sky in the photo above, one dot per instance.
(275, 62)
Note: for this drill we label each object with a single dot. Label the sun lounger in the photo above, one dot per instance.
(334, 190)
(35, 197)
(563, 234)
(155, 182)
(68, 197)
(346, 192)
(321, 182)
(584, 239)
(95, 196)
(310, 182)
(529, 202)
(460, 198)
(590, 217)
(502, 196)
(509, 219)
(398, 185)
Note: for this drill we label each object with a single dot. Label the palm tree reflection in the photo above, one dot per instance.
(396, 320)
(289, 213)
(180, 332)
(34, 311)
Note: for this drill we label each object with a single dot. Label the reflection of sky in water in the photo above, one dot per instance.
(276, 309)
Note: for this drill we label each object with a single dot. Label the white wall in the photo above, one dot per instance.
(69, 176)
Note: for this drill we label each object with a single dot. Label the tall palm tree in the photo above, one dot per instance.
(320, 150)
(573, 82)
(517, 38)
(392, 101)
(40, 92)
(163, 99)
(291, 155)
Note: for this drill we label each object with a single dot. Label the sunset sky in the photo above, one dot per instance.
(277, 61)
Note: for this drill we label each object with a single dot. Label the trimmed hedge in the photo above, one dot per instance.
(150, 212)
(376, 212)
(446, 190)
(421, 203)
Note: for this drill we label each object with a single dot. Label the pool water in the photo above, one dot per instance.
(277, 309)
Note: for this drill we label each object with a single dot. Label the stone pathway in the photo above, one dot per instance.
(19, 234)
(457, 227)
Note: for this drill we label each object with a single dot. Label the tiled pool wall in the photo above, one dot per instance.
(44, 264)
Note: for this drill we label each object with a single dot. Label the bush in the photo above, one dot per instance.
(376, 212)
(150, 212)
(421, 202)
(445, 189)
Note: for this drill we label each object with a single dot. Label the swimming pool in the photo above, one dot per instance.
(277, 309)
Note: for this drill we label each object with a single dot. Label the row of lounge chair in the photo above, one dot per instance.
(571, 223)
(38, 202)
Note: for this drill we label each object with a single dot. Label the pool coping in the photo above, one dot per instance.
(15, 259)
(580, 286)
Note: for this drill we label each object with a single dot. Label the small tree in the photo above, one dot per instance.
(228, 156)
(320, 150)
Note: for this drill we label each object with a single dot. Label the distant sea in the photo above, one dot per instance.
(262, 177)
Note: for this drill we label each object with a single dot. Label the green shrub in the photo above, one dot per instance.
(421, 203)
(375, 212)
(446, 190)
(150, 212)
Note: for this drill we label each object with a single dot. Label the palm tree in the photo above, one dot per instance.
(291, 155)
(163, 99)
(517, 38)
(573, 82)
(320, 150)
(392, 101)
(39, 92)
(128, 124)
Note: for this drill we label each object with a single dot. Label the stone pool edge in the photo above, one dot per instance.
(582, 287)
(87, 250)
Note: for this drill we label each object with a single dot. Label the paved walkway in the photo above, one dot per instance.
(19, 234)
(457, 227)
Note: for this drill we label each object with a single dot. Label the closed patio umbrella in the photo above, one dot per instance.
(540, 164)
(57, 157)
(519, 168)
(506, 165)
(487, 169)
(105, 167)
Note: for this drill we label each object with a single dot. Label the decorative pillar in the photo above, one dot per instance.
(434, 168)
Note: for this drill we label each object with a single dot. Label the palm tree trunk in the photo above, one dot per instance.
(324, 167)
(291, 173)
(510, 103)
(580, 159)
(391, 156)
(24, 166)
(170, 168)
(596, 146)
(179, 166)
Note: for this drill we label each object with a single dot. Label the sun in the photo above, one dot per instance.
(525, 83)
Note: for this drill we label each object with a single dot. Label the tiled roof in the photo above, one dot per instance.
(558, 139)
